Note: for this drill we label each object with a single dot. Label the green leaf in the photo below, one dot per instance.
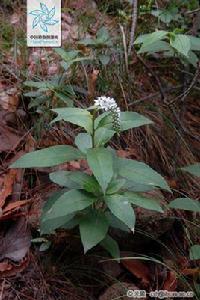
(83, 141)
(111, 246)
(137, 187)
(104, 119)
(36, 102)
(122, 209)
(72, 223)
(128, 120)
(115, 222)
(48, 226)
(67, 55)
(102, 34)
(142, 201)
(140, 173)
(104, 59)
(195, 252)
(70, 179)
(68, 203)
(158, 46)
(51, 200)
(77, 116)
(75, 180)
(65, 65)
(192, 58)
(39, 84)
(170, 53)
(115, 185)
(35, 94)
(181, 43)
(48, 157)
(102, 38)
(195, 43)
(193, 169)
(67, 89)
(64, 98)
(100, 161)
(102, 136)
(141, 38)
(84, 58)
(45, 246)
(39, 240)
(132, 119)
(167, 15)
(185, 204)
(93, 229)
(151, 38)
(87, 42)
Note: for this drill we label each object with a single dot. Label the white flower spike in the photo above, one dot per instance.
(109, 104)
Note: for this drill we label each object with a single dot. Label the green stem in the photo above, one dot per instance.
(93, 127)
(93, 143)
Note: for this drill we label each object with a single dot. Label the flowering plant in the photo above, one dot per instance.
(109, 104)
(108, 196)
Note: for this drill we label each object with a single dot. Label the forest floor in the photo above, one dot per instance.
(160, 246)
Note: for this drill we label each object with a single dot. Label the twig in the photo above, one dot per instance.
(125, 47)
(2, 289)
(192, 11)
(155, 77)
(133, 26)
(188, 90)
(156, 94)
(182, 127)
(179, 116)
(123, 92)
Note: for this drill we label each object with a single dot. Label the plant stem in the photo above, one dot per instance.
(125, 47)
(93, 128)
(133, 26)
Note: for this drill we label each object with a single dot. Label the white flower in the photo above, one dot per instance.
(105, 103)
(109, 104)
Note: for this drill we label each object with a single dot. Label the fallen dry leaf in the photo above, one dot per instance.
(6, 189)
(13, 206)
(183, 262)
(172, 183)
(9, 99)
(74, 165)
(92, 79)
(129, 153)
(77, 4)
(138, 268)
(5, 266)
(170, 283)
(16, 242)
(8, 269)
(9, 138)
(191, 272)
(14, 19)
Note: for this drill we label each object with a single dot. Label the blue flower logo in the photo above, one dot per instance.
(43, 17)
